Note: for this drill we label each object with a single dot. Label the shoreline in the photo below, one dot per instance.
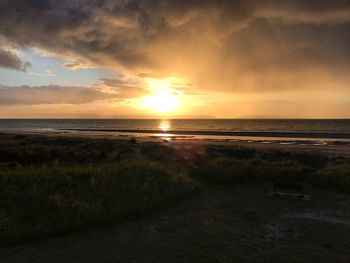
(279, 134)
(324, 146)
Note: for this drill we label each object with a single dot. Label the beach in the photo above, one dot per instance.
(313, 142)
(102, 197)
(174, 131)
(326, 136)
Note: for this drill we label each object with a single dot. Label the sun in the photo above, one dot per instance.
(164, 97)
(162, 101)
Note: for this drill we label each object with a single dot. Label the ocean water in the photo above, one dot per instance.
(302, 132)
(219, 125)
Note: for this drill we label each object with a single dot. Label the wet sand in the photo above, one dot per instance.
(273, 134)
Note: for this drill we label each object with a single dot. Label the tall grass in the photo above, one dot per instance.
(334, 177)
(227, 171)
(48, 200)
(56, 185)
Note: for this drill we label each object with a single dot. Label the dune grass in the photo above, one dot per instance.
(49, 200)
(228, 171)
(56, 185)
(335, 177)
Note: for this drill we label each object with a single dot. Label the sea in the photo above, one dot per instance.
(251, 129)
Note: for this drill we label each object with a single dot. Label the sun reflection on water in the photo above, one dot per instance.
(164, 125)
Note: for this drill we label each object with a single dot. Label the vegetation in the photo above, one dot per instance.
(56, 185)
(307, 159)
(335, 177)
(226, 171)
(48, 200)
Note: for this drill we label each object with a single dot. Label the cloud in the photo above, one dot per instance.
(125, 88)
(53, 94)
(10, 60)
(75, 65)
(48, 73)
(229, 45)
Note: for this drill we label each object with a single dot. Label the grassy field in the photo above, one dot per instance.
(49, 200)
(52, 185)
(56, 185)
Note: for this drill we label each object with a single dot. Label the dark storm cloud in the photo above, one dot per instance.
(291, 46)
(26, 95)
(208, 41)
(10, 60)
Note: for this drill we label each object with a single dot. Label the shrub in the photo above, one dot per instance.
(335, 177)
(237, 152)
(310, 159)
(156, 151)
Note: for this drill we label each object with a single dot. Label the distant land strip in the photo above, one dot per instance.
(320, 135)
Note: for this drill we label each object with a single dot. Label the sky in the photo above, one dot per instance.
(174, 59)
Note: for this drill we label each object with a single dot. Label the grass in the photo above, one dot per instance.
(49, 200)
(38, 150)
(335, 177)
(56, 185)
(308, 159)
(228, 171)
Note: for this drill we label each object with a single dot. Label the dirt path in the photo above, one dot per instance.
(219, 224)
